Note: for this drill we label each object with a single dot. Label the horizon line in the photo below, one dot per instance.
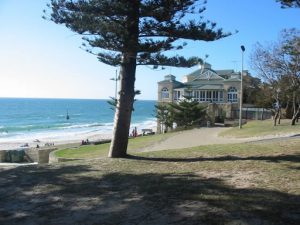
(64, 98)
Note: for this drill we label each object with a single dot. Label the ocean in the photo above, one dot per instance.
(24, 120)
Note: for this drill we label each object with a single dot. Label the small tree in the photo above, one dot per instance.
(188, 112)
(128, 33)
(164, 115)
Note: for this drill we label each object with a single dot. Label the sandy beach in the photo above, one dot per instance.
(92, 136)
(67, 139)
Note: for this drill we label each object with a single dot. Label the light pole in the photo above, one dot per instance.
(116, 86)
(241, 91)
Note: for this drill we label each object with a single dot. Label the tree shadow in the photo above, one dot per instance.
(81, 194)
(275, 159)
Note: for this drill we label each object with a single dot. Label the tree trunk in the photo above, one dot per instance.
(295, 110)
(276, 117)
(119, 142)
(295, 116)
(118, 147)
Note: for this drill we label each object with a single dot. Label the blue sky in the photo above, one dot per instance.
(41, 59)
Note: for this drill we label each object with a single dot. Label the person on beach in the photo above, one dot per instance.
(134, 132)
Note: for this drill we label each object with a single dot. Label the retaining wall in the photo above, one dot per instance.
(32, 155)
(2, 155)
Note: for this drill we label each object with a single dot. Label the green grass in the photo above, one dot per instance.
(262, 128)
(251, 129)
(249, 183)
(83, 152)
(96, 151)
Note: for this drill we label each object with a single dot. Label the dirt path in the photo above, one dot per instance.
(196, 137)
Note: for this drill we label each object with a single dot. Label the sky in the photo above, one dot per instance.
(40, 59)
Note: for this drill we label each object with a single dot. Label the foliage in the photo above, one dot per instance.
(289, 3)
(157, 26)
(134, 32)
(264, 97)
(251, 89)
(164, 114)
(278, 64)
(187, 112)
(113, 102)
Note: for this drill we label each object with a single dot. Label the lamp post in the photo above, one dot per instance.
(241, 91)
(114, 100)
(116, 86)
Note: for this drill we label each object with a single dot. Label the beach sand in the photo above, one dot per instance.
(74, 139)
(93, 136)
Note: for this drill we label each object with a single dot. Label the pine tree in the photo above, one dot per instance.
(164, 114)
(128, 33)
(289, 3)
(187, 112)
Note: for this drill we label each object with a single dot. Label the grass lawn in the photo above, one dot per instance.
(252, 128)
(96, 151)
(253, 183)
(262, 128)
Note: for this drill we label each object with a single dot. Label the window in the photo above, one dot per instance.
(232, 94)
(177, 95)
(164, 93)
(208, 96)
(196, 95)
(215, 96)
(221, 96)
(202, 96)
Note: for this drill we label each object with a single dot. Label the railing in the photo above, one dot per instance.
(252, 114)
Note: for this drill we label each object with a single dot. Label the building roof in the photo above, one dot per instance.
(204, 78)
(224, 72)
(210, 87)
(176, 84)
(232, 79)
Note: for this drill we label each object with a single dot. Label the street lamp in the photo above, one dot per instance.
(241, 92)
(116, 79)
(114, 101)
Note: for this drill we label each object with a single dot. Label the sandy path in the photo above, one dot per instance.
(196, 137)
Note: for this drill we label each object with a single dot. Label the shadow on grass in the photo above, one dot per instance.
(83, 195)
(274, 159)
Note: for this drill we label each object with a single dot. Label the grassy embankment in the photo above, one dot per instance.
(251, 129)
(96, 151)
(259, 128)
(252, 183)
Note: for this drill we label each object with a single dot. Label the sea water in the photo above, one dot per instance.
(25, 119)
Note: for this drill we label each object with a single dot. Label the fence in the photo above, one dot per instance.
(252, 114)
